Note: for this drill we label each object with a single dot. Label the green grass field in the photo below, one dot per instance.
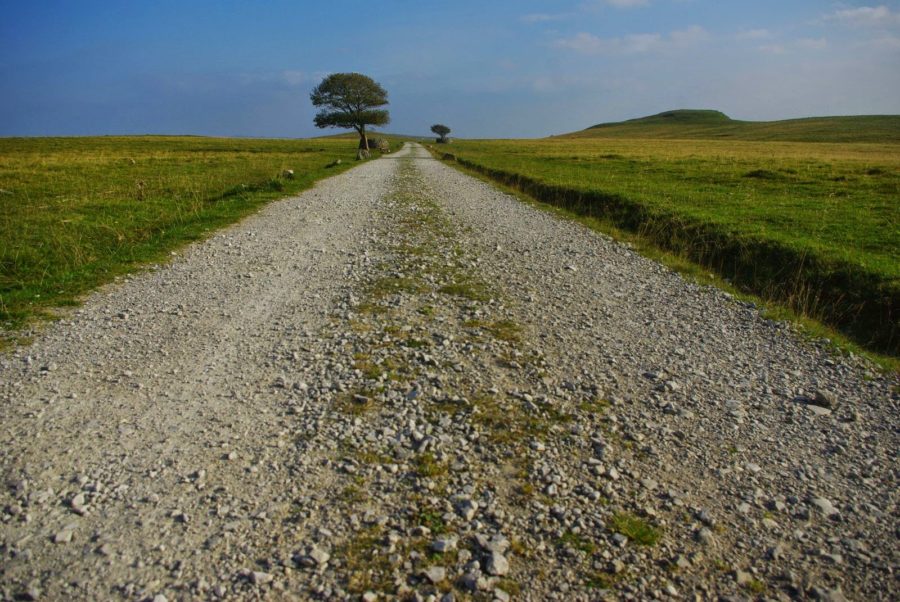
(713, 125)
(76, 212)
(811, 225)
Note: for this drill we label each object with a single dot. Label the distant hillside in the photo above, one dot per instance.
(700, 124)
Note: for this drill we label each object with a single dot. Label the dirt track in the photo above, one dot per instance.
(403, 382)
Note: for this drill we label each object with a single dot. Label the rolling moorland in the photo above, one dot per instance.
(705, 124)
(803, 212)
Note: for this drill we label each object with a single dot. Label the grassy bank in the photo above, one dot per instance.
(76, 212)
(812, 226)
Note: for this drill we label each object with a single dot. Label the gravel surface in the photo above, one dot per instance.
(406, 384)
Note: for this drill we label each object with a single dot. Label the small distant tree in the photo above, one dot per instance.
(351, 101)
(442, 131)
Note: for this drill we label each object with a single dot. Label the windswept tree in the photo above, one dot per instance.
(442, 131)
(351, 101)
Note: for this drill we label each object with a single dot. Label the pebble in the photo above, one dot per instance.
(444, 544)
(436, 574)
(260, 578)
(496, 564)
(825, 506)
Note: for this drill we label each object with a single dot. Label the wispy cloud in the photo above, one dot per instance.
(626, 3)
(689, 37)
(544, 17)
(812, 43)
(891, 43)
(754, 34)
(867, 16)
(642, 43)
(790, 46)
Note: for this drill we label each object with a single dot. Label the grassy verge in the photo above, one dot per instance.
(811, 228)
(76, 212)
(809, 327)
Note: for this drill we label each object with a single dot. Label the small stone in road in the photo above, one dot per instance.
(436, 574)
(743, 577)
(260, 578)
(32, 593)
(160, 598)
(497, 543)
(63, 536)
(369, 597)
(705, 536)
(828, 595)
(319, 555)
(421, 531)
(825, 506)
(444, 544)
(501, 595)
(496, 564)
(77, 504)
(361, 399)
(467, 508)
(823, 399)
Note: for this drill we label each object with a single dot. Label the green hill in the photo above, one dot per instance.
(703, 124)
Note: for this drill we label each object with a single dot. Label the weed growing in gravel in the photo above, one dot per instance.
(577, 542)
(601, 580)
(433, 519)
(594, 406)
(636, 529)
(393, 285)
(366, 566)
(755, 586)
(502, 330)
(467, 289)
(428, 466)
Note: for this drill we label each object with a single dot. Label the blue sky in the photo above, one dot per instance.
(487, 68)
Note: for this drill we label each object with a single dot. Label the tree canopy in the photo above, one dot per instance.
(441, 130)
(351, 101)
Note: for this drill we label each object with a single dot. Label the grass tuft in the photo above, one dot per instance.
(636, 529)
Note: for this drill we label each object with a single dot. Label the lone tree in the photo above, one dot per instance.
(350, 100)
(442, 131)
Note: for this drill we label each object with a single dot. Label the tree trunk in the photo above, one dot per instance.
(363, 140)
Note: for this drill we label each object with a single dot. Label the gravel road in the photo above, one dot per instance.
(405, 384)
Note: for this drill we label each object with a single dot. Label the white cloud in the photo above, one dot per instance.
(641, 43)
(627, 3)
(886, 43)
(544, 17)
(867, 16)
(754, 34)
(812, 43)
(773, 49)
(294, 78)
(586, 43)
(690, 36)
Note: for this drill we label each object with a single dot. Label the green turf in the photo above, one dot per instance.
(815, 225)
(76, 212)
(700, 124)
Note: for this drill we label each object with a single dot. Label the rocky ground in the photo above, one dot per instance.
(404, 384)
